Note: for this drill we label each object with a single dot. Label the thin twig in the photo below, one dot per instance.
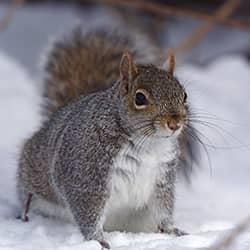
(5, 21)
(168, 10)
(229, 240)
(221, 14)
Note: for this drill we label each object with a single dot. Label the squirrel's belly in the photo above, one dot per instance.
(132, 186)
(133, 180)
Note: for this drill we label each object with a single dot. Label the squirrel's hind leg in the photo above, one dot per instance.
(25, 217)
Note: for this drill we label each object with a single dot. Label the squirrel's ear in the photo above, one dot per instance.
(128, 69)
(170, 63)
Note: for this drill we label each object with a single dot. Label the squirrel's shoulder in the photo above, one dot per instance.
(87, 111)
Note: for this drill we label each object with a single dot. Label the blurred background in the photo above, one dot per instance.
(200, 30)
(211, 39)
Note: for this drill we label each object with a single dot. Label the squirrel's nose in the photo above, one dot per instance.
(173, 125)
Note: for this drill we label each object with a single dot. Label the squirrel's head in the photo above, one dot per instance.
(155, 100)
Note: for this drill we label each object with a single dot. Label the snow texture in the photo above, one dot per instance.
(208, 209)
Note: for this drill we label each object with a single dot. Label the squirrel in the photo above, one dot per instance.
(107, 156)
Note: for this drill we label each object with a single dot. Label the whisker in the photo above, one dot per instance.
(209, 144)
(138, 141)
(201, 112)
(189, 132)
(215, 118)
(142, 123)
(146, 134)
(219, 130)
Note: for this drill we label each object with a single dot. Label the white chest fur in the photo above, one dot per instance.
(136, 172)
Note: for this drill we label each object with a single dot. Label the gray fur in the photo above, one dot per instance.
(99, 148)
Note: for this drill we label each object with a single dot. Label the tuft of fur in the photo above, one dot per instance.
(171, 62)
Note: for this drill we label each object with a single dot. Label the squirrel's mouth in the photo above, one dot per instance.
(156, 130)
(169, 127)
(168, 133)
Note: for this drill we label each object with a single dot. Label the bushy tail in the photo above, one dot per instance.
(82, 63)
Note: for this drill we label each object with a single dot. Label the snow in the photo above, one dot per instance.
(208, 209)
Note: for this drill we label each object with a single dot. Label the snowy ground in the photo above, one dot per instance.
(216, 201)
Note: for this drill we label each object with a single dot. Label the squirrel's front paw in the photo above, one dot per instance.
(173, 231)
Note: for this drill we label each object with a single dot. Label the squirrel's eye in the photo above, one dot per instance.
(185, 97)
(140, 99)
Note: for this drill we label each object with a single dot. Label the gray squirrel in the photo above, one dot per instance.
(108, 154)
